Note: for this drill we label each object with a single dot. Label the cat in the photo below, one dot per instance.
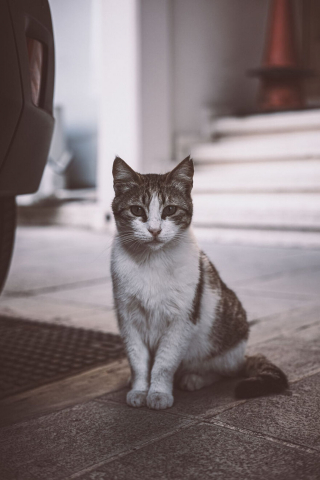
(179, 322)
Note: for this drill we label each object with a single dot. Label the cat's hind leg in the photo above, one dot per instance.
(208, 371)
(194, 381)
(231, 362)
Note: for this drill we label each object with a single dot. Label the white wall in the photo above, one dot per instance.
(120, 95)
(215, 42)
(195, 54)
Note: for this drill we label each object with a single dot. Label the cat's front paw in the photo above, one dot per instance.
(136, 398)
(159, 400)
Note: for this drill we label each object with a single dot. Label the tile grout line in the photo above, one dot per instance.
(59, 301)
(194, 422)
(223, 409)
(241, 402)
(291, 335)
(167, 412)
(132, 450)
(307, 375)
(56, 288)
(199, 418)
(260, 320)
(256, 434)
(271, 294)
(277, 275)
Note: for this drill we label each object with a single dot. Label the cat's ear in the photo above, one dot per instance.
(182, 174)
(123, 176)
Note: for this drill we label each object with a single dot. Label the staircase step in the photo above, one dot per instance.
(259, 148)
(295, 212)
(264, 177)
(267, 123)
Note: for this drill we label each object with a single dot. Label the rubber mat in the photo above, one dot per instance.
(33, 353)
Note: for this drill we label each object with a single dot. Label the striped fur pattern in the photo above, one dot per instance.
(180, 323)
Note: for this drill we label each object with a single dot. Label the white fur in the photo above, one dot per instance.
(154, 217)
(230, 362)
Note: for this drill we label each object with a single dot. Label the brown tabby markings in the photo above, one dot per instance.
(198, 295)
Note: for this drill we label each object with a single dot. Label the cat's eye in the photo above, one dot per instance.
(169, 210)
(137, 211)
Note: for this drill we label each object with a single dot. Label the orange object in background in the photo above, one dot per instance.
(281, 75)
(281, 49)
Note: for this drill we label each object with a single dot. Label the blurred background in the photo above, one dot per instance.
(234, 84)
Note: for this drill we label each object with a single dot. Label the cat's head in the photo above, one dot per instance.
(152, 210)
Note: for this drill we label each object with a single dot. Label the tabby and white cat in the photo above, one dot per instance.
(179, 321)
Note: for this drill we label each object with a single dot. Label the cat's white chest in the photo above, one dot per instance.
(163, 286)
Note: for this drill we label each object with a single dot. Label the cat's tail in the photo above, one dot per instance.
(263, 378)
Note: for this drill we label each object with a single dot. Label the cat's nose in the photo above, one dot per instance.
(154, 231)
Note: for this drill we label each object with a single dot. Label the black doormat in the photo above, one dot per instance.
(33, 353)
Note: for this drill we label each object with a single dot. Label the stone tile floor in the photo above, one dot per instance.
(61, 276)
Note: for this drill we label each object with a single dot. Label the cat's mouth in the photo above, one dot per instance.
(155, 242)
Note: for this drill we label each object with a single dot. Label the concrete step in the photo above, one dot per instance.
(267, 123)
(296, 176)
(77, 213)
(294, 212)
(259, 148)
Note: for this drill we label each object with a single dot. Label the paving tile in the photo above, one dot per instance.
(104, 321)
(57, 445)
(296, 357)
(211, 452)
(95, 295)
(294, 265)
(258, 306)
(61, 313)
(242, 265)
(295, 283)
(237, 252)
(282, 324)
(308, 332)
(49, 256)
(291, 340)
(54, 272)
(292, 418)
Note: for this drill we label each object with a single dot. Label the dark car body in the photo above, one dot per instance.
(26, 102)
(26, 93)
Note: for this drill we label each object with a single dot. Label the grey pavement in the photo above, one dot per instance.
(61, 276)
